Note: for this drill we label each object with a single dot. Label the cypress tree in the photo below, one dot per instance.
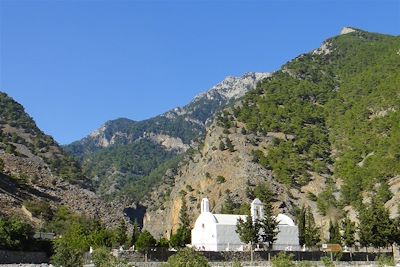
(334, 233)
(348, 229)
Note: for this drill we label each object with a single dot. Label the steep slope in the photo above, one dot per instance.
(132, 155)
(34, 171)
(323, 131)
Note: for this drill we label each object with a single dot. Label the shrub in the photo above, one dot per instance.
(385, 261)
(327, 262)
(282, 260)
(220, 179)
(102, 257)
(187, 257)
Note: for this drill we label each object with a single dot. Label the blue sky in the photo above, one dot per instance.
(76, 64)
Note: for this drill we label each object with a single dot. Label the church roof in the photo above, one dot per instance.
(230, 219)
(284, 220)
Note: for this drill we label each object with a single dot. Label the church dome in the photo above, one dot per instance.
(205, 218)
(284, 220)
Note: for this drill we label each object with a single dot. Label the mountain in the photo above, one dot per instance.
(36, 175)
(323, 131)
(131, 156)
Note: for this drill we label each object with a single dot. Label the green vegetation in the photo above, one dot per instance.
(145, 242)
(348, 232)
(345, 100)
(309, 233)
(183, 234)
(248, 231)
(384, 261)
(102, 257)
(283, 260)
(232, 207)
(187, 257)
(25, 132)
(15, 234)
(376, 228)
(327, 262)
(39, 209)
(334, 233)
(220, 179)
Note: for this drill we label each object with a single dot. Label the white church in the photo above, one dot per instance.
(217, 232)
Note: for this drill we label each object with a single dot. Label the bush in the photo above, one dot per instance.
(15, 234)
(102, 258)
(220, 179)
(282, 260)
(327, 262)
(39, 209)
(187, 257)
(385, 261)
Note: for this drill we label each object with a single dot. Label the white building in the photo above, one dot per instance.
(217, 232)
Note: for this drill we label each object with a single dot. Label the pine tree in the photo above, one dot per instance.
(248, 230)
(301, 222)
(269, 227)
(310, 233)
(183, 234)
(348, 232)
(121, 236)
(334, 233)
(376, 228)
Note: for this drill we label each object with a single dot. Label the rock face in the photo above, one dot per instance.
(174, 131)
(347, 30)
(226, 168)
(31, 166)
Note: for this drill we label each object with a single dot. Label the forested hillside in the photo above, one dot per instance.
(323, 131)
(127, 158)
(341, 105)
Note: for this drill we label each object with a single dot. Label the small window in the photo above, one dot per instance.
(202, 225)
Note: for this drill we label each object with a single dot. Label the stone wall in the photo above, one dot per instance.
(8, 257)
(227, 256)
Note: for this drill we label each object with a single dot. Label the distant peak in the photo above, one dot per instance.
(347, 30)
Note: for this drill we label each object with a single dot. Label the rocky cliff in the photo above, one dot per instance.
(125, 155)
(322, 131)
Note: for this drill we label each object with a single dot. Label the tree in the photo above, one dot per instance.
(248, 230)
(1, 165)
(376, 228)
(15, 234)
(268, 226)
(334, 233)
(102, 257)
(348, 232)
(312, 231)
(145, 242)
(187, 257)
(309, 233)
(135, 233)
(121, 237)
(183, 234)
(229, 145)
(69, 249)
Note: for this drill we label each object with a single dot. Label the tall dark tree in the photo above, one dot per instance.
(376, 227)
(348, 229)
(121, 237)
(183, 234)
(334, 233)
(269, 228)
(309, 232)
